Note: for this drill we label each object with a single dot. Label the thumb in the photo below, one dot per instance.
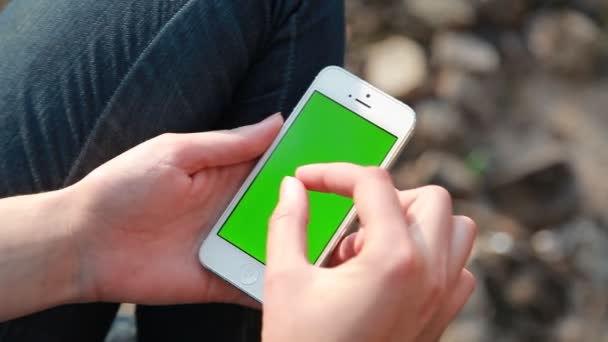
(287, 229)
(193, 152)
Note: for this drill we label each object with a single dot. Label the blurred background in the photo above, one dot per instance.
(512, 101)
(511, 97)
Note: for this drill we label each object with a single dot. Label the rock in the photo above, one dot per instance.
(592, 6)
(538, 291)
(489, 221)
(442, 14)
(587, 241)
(464, 52)
(539, 198)
(583, 124)
(397, 65)
(533, 131)
(442, 169)
(591, 172)
(361, 22)
(574, 115)
(570, 329)
(516, 57)
(523, 289)
(440, 125)
(501, 243)
(527, 297)
(547, 245)
(475, 95)
(355, 61)
(531, 179)
(503, 12)
(399, 19)
(565, 41)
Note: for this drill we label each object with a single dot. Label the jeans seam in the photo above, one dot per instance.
(293, 26)
(104, 112)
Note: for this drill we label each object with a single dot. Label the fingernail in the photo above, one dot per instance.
(268, 122)
(461, 237)
(271, 118)
(288, 189)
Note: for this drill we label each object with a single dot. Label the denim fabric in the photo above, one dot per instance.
(84, 80)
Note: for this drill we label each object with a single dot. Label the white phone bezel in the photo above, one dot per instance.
(242, 270)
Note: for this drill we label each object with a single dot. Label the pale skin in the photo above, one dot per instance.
(130, 232)
(400, 278)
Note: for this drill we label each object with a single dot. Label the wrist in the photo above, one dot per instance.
(68, 222)
(39, 267)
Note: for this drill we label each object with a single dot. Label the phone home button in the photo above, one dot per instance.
(249, 274)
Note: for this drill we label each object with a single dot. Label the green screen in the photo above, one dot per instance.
(324, 132)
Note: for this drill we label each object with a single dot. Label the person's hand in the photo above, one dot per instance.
(400, 278)
(145, 213)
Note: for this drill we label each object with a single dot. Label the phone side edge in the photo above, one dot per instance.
(212, 239)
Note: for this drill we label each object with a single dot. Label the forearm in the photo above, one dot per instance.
(37, 260)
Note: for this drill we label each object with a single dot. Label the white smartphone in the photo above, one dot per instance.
(340, 118)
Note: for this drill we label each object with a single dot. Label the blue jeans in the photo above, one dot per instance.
(84, 80)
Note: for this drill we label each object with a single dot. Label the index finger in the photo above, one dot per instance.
(372, 190)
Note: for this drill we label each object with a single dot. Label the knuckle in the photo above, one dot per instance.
(167, 142)
(166, 138)
(439, 194)
(281, 273)
(279, 216)
(436, 288)
(275, 277)
(405, 264)
(379, 174)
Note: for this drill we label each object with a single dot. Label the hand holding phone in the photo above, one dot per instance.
(137, 220)
(340, 118)
(405, 281)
